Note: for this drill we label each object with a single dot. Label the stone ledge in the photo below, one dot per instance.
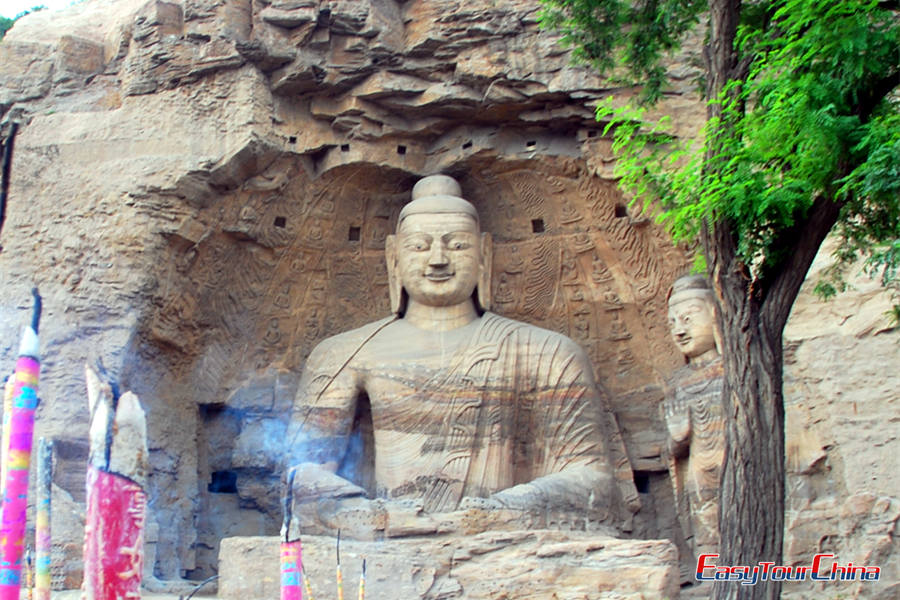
(518, 565)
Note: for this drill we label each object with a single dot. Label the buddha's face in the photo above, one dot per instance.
(692, 323)
(438, 257)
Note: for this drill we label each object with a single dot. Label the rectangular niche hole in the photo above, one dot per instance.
(642, 482)
(222, 482)
(530, 143)
(592, 134)
(353, 234)
(467, 145)
(537, 225)
(621, 211)
(401, 150)
(292, 139)
(281, 222)
(345, 147)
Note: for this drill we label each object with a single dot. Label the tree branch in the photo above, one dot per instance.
(808, 234)
(802, 241)
(875, 93)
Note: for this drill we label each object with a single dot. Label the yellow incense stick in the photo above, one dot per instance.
(338, 576)
(29, 583)
(340, 584)
(306, 585)
(4, 447)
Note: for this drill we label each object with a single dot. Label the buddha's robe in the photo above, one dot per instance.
(496, 409)
(698, 450)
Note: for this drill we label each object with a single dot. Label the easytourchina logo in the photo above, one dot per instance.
(824, 567)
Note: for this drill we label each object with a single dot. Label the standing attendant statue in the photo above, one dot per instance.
(477, 421)
(694, 415)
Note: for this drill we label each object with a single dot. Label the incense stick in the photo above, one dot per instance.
(362, 582)
(306, 585)
(7, 423)
(43, 536)
(338, 576)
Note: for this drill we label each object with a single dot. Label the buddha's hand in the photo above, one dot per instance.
(473, 503)
(511, 508)
(311, 481)
(676, 411)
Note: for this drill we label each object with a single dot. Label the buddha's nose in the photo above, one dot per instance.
(438, 256)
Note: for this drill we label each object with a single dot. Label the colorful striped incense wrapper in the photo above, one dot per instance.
(18, 456)
(291, 551)
(291, 580)
(362, 582)
(43, 539)
(116, 500)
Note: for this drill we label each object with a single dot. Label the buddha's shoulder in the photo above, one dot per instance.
(342, 346)
(525, 333)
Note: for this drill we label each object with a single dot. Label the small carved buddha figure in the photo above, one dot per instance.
(693, 413)
(475, 421)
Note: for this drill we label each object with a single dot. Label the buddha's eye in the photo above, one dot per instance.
(417, 245)
(458, 245)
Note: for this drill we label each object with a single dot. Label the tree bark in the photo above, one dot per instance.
(751, 496)
(752, 316)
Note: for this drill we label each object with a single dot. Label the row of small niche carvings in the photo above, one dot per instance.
(401, 148)
(354, 233)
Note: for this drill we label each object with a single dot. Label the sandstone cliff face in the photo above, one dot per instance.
(841, 385)
(202, 189)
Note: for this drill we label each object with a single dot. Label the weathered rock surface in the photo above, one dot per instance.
(517, 565)
(209, 186)
(843, 494)
(201, 189)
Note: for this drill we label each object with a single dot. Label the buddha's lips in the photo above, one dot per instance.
(439, 276)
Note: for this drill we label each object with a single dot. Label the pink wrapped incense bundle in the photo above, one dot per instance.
(17, 456)
(116, 500)
(291, 552)
(291, 578)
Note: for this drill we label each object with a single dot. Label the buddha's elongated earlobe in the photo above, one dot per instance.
(395, 286)
(484, 272)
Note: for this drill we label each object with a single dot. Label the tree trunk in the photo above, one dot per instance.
(753, 310)
(751, 497)
(752, 316)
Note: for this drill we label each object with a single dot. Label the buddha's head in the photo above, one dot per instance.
(439, 256)
(692, 317)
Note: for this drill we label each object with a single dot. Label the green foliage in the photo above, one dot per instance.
(816, 117)
(6, 23)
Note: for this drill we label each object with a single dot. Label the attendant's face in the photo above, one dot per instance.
(438, 257)
(692, 323)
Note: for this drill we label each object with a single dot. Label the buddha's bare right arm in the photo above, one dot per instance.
(324, 407)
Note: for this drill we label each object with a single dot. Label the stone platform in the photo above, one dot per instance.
(517, 565)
